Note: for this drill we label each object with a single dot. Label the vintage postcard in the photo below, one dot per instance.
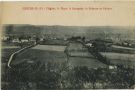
(67, 45)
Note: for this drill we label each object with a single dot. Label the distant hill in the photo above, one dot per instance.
(90, 32)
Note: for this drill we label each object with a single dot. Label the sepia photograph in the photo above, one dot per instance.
(39, 57)
(65, 45)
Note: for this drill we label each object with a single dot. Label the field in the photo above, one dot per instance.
(118, 56)
(54, 53)
(84, 61)
(77, 55)
(42, 53)
(50, 48)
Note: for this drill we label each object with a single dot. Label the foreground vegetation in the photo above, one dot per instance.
(50, 75)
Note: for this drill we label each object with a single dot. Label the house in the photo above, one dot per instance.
(4, 38)
(89, 44)
(24, 40)
(15, 41)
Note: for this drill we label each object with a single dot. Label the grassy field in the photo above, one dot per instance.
(43, 53)
(54, 53)
(78, 55)
(84, 61)
(50, 48)
(120, 58)
(54, 42)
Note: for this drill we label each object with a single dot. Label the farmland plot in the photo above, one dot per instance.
(43, 53)
(55, 53)
(84, 61)
(81, 56)
(77, 56)
(50, 47)
(120, 58)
